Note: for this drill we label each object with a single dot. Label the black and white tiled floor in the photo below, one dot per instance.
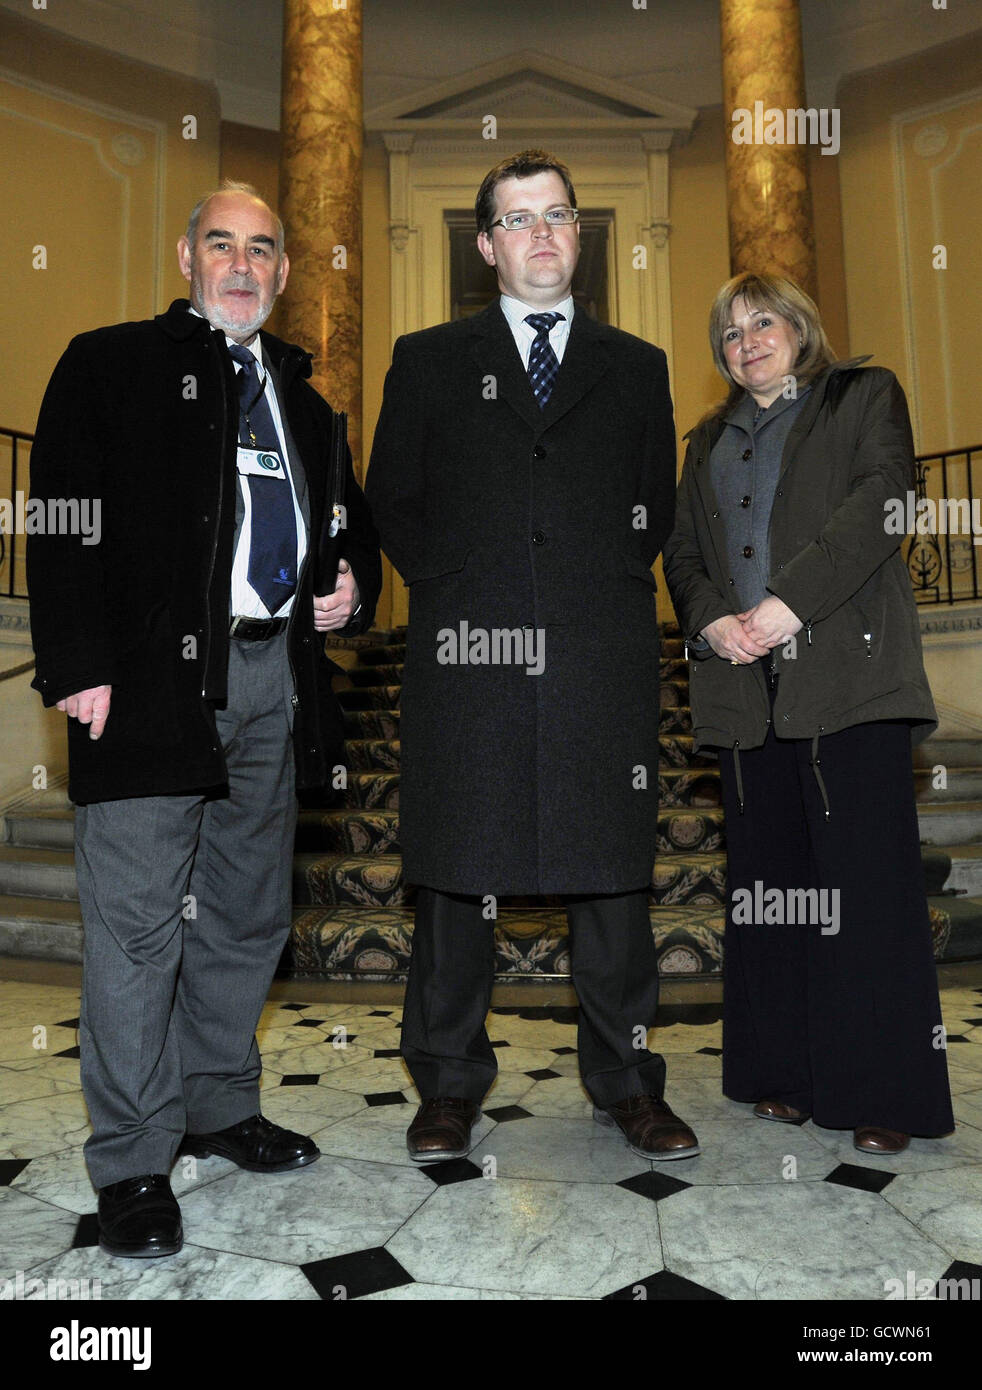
(549, 1205)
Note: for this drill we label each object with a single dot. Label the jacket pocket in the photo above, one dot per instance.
(435, 566)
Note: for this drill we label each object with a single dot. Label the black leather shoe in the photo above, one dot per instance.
(255, 1144)
(139, 1218)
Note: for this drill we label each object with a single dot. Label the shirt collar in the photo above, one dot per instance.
(742, 414)
(514, 311)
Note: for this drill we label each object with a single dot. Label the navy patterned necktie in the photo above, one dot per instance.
(543, 363)
(273, 542)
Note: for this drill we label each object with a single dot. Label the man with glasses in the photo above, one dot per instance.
(523, 482)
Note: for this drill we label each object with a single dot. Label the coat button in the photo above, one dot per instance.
(747, 453)
(538, 452)
(730, 581)
(748, 550)
(538, 538)
(745, 501)
(715, 513)
(780, 492)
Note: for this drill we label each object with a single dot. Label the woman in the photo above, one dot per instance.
(808, 677)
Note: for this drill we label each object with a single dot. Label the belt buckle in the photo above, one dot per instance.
(236, 622)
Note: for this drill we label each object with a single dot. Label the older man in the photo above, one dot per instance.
(523, 480)
(185, 650)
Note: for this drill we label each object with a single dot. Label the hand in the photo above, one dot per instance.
(728, 638)
(89, 707)
(771, 623)
(335, 610)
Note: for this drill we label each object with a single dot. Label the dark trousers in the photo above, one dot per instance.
(186, 908)
(845, 1024)
(615, 970)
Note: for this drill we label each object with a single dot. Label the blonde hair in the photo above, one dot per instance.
(776, 295)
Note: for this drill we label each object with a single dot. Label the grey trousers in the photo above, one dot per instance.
(186, 907)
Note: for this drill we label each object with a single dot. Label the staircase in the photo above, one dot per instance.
(353, 914)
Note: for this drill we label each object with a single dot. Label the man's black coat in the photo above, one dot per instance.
(143, 417)
(502, 515)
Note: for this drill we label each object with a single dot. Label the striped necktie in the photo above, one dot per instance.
(543, 363)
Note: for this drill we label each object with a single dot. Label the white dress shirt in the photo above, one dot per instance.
(524, 334)
(246, 603)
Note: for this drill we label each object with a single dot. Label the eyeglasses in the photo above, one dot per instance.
(521, 221)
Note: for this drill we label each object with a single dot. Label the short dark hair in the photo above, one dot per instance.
(517, 166)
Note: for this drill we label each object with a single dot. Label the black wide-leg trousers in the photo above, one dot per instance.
(615, 970)
(844, 1024)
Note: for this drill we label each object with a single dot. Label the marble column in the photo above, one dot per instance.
(320, 196)
(768, 194)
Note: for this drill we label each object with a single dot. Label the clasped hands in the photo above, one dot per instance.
(744, 637)
(330, 612)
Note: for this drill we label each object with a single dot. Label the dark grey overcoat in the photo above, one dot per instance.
(506, 517)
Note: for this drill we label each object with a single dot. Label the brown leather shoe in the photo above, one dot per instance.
(777, 1110)
(442, 1129)
(650, 1128)
(874, 1139)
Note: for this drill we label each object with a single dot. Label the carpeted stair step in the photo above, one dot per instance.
(374, 943)
(676, 787)
(963, 932)
(965, 863)
(348, 832)
(371, 723)
(383, 697)
(351, 831)
(372, 754)
(383, 656)
(376, 880)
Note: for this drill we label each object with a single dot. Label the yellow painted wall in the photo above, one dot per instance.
(912, 179)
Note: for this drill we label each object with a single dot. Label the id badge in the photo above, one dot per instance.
(259, 463)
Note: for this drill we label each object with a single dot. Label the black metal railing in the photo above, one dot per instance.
(943, 553)
(11, 584)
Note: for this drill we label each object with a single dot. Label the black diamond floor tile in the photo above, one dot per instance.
(974, 1021)
(453, 1170)
(380, 1013)
(501, 1043)
(69, 1052)
(386, 1098)
(504, 1113)
(663, 1287)
(387, 1052)
(300, 1079)
(956, 1037)
(948, 1291)
(563, 1051)
(10, 1168)
(310, 1023)
(654, 1186)
(710, 1051)
(356, 1274)
(68, 1023)
(86, 1232)
(543, 1074)
(863, 1179)
(297, 1008)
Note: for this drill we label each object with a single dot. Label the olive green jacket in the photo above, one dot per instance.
(858, 657)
